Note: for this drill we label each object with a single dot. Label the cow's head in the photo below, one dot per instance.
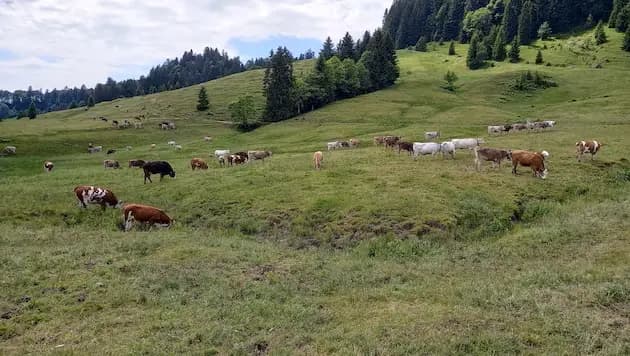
(172, 174)
(544, 173)
(119, 205)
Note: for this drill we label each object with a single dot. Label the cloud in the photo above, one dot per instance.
(56, 43)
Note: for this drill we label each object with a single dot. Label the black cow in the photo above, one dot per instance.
(162, 168)
(110, 151)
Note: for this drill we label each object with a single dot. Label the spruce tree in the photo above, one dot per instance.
(346, 47)
(90, 101)
(498, 50)
(600, 34)
(278, 86)
(525, 22)
(474, 59)
(544, 31)
(515, 51)
(626, 40)
(202, 102)
(450, 78)
(32, 111)
(539, 58)
(451, 49)
(328, 50)
(421, 45)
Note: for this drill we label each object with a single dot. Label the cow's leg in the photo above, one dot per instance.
(129, 222)
(514, 168)
(161, 176)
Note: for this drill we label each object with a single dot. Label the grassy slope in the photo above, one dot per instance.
(430, 260)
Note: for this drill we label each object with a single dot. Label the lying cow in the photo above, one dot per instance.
(491, 155)
(534, 160)
(591, 147)
(496, 129)
(138, 163)
(426, 148)
(48, 166)
(333, 145)
(171, 143)
(110, 163)
(448, 147)
(432, 135)
(95, 149)
(405, 146)
(88, 194)
(110, 151)
(318, 158)
(258, 155)
(162, 168)
(144, 214)
(9, 150)
(198, 163)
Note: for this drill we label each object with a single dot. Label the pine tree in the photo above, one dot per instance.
(626, 40)
(450, 78)
(72, 105)
(511, 19)
(328, 50)
(544, 31)
(421, 45)
(600, 34)
(451, 49)
(474, 59)
(539, 58)
(515, 51)
(498, 50)
(90, 101)
(278, 86)
(32, 111)
(380, 61)
(202, 101)
(525, 22)
(346, 47)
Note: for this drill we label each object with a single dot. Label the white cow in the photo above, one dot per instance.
(426, 148)
(172, 143)
(495, 129)
(178, 147)
(334, 145)
(9, 150)
(467, 143)
(221, 153)
(431, 135)
(95, 149)
(448, 147)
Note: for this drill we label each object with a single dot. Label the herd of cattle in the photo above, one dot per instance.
(521, 127)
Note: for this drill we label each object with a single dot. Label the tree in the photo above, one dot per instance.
(202, 101)
(73, 105)
(4, 111)
(525, 23)
(243, 112)
(278, 86)
(515, 51)
(421, 45)
(346, 47)
(451, 49)
(475, 56)
(498, 50)
(380, 61)
(539, 58)
(544, 31)
(600, 33)
(328, 50)
(626, 40)
(450, 78)
(90, 102)
(32, 111)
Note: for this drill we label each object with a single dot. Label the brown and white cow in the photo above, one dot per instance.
(318, 158)
(236, 159)
(144, 214)
(110, 163)
(89, 194)
(136, 163)
(48, 166)
(391, 141)
(491, 155)
(379, 140)
(534, 160)
(591, 147)
(198, 163)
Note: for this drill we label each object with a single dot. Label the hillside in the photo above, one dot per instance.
(374, 254)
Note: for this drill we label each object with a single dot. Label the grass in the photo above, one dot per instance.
(375, 254)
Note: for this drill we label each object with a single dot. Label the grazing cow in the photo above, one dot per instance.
(125, 124)
(318, 158)
(448, 147)
(88, 194)
(178, 147)
(138, 163)
(219, 153)
(153, 145)
(163, 126)
(48, 166)
(9, 150)
(466, 143)
(591, 147)
(207, 138)
(519, 127)
(110, 151)
(354, 142)
(171, 125)
(198, 163)
(426, 148)
(496, 130)
(236, 159)
(535, 160)
(333, 145)
(391, 141)
(172, 143)
(222, 159)
(242, 154)
(138, 124)
(379, 140)
(95, 149)
(110, 163)
(344, 144)
(258, 155)
(405, 146)
(144, 214)
(432, 135)
(115, 123)
(162, 168)
(492, 155)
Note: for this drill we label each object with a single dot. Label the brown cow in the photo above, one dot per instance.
(391, 141)
(318, 158)
(88, 194)
(48, 166)
(144, 214)
(198, 163)
(491, 155)
(591, 147)
(110, 163)
(258, 155)
(354, 142)
(379, 140)
(535, 160)
(136, 163)
(405, 146)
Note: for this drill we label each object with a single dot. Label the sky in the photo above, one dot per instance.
(55, 43)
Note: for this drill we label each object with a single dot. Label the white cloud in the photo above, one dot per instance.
(91, 40)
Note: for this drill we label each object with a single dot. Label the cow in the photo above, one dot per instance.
(171, 125)
(207, 138)
(354, 142)
(379, 140)
(426, 148)
(198, 163)
(144, 214)
(178, 147)
(405, 146)
(153, 145)
(344, 144)
(88, 194)
(171, 143)
(103, 119)
(431, 135)
(391, 141)
(591, 147)
(496, 129)
(222, 159)
(519, 127)
(466, 143)
(219, 153)
(138, 163)
(242, 154)
(110, 163)
(48, 166)
(492, 155)
(95, 149)
(318, 158)
(162, 168)
(258, 155)
(9, 150)
(125, 124)
(333, 145)
(236, 159)
(163, 126)
(115, 123)
(448, 147)
(138, 124)
(110, 151)
(534, 160)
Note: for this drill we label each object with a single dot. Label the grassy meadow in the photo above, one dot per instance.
(374, 254)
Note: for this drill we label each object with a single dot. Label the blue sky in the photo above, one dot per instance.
(57, 43)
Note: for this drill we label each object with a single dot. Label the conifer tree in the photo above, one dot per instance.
(544, 31)
(90, 102)
(278, 86)
(451, 49)
(421, 45)
(626, 40)
(346, 47)
(498, 50)
(539, 58)
(515, 51)
(474, 59)
(32, 111)
(450, 78)
(202, 101)
(525, 22)
(328, 50)
(600, 34)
